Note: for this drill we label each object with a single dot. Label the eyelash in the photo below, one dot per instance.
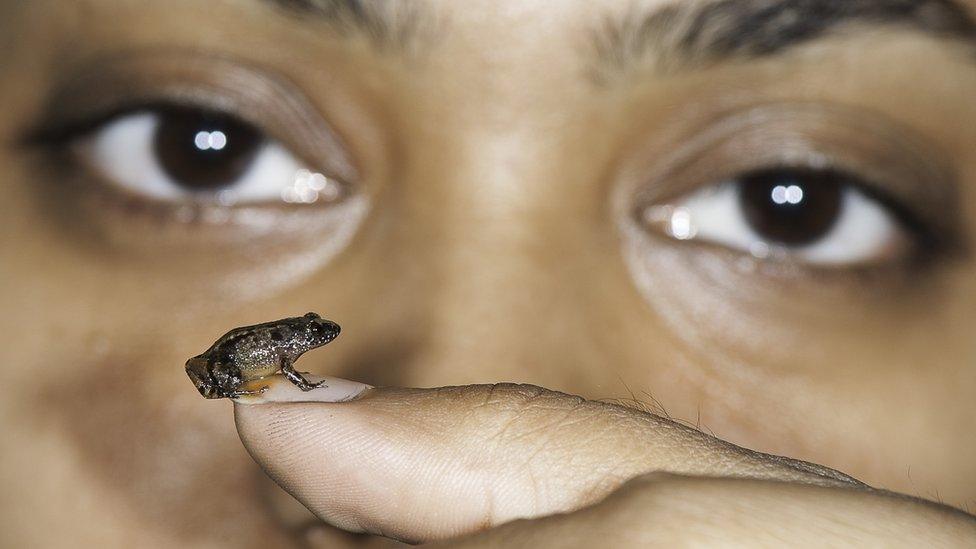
(128, 218)
(679, 222)
(890, 165)
(62, 140)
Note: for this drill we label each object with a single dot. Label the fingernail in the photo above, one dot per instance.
(279, 389)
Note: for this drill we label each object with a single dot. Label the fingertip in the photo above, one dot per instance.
(277, 389)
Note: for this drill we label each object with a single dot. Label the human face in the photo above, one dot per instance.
(585, 195)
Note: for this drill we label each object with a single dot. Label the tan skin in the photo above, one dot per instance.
(495, 176)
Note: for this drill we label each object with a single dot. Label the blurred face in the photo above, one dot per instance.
(760, 221)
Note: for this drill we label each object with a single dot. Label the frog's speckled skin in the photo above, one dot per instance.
(255, 352)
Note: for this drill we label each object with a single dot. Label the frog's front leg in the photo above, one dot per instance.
(288, 368)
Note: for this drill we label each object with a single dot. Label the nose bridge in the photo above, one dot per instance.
(502, 261)
(495, 210)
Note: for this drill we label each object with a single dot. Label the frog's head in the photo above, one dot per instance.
(196, 369)
(318, 331)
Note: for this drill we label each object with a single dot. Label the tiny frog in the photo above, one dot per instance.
(256, 352)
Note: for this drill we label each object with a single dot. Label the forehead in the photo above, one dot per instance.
(679, 32)
(505, 34)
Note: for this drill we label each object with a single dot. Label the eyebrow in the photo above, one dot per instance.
(700, 33)
(386, 24)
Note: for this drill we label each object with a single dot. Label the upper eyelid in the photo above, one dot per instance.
(900, 165)
(156, 81)
(58, 132)
(784, 129)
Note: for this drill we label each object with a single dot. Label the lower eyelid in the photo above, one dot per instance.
(109, 216)
(109, 219)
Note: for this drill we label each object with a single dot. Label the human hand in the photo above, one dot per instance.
(519, 465)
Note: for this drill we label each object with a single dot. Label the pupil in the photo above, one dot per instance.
(202, 150)
(792, 207)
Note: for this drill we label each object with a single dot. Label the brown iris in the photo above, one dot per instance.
(792, 207)
(204, 150)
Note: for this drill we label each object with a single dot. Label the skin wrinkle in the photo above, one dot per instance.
(284, 427)
(387, 24)
(535, 491)
(491, 401)
(543, 442)
(567, 411)
(529, 404)
(699, 440)
(567, 421)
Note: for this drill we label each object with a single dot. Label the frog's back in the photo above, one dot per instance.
(276, 330)
(261, 349)
(255, 350)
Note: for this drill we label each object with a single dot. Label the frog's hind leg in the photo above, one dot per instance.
(248, 392)
(298, 379)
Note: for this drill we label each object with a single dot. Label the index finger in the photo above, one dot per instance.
(426, 464)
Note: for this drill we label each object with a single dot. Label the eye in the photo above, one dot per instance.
(185, 154)
(819, 217)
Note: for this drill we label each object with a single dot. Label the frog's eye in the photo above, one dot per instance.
(179, 154)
